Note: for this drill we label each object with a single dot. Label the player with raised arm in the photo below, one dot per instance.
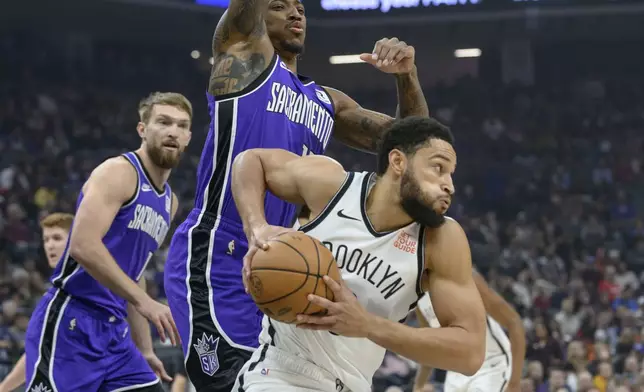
(391, 241)
(504, 358)
(78, 338)
(55, 233)
(258, 100)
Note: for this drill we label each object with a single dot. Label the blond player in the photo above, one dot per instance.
(55, 232)
(502, 368)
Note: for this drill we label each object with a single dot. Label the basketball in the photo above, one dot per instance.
(282, 277)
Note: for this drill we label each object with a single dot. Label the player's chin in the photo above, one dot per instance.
(170, 160)
(52, 261)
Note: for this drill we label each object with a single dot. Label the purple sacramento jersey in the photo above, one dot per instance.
(78, 338)
(203, 282)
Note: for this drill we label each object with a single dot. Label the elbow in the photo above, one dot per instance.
(473, 356)
(79, 250)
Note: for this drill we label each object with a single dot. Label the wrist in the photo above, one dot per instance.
(140, 298)
(406, 75)
(373, 324)
(254, 224)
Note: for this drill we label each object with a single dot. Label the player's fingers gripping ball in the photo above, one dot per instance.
(285, 274)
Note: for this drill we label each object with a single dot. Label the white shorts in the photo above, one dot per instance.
(273, 370)
(492, 377)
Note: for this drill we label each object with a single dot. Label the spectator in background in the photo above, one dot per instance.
(604, 380)
(544, 348)
(556, 381)
(569, 321)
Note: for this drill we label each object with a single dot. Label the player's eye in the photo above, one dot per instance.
(301, 11)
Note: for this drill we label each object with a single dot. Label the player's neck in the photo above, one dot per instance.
(158, 175)
(290, 60)
(383, 208)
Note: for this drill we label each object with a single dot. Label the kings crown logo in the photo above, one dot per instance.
(40, 388)
(206, 347)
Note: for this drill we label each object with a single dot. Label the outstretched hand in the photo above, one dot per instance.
(390, 55)
(346, 316)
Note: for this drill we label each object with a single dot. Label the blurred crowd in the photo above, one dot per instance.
(550, 190)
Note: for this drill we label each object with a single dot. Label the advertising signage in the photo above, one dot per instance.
(374, 8)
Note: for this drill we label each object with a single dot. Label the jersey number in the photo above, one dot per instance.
(306, 151)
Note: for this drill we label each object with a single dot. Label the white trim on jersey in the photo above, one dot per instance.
(203, 211)
(50, 370)
(220, 206)
(266, 79)
(131, 387)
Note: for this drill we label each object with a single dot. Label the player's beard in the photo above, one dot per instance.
(163, 158)
(293, 47)
(415, 206)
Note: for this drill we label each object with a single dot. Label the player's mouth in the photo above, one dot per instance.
(444, 202)
(171, 145)
(296, 28)
(53, 256)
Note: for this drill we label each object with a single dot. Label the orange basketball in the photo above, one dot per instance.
(292, 268)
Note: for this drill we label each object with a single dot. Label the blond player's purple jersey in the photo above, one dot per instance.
(203, 282)
(136, 233)
(78, 337)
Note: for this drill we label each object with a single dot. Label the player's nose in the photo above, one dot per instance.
(294, 14)
(448, 186)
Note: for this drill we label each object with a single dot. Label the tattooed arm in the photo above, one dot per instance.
(361, 128)
(240, 46)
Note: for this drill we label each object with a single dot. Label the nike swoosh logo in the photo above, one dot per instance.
(341, 215)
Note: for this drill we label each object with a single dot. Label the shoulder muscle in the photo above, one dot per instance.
(115, 178)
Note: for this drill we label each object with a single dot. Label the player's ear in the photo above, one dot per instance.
(140, 128)
(397, 161)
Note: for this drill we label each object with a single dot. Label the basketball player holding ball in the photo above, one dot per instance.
(391, 241)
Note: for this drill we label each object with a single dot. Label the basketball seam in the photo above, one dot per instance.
(317, 279)
(326, 288)
(297, 289)
(286, 270)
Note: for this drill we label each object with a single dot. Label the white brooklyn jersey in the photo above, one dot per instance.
(497, 343)
(383, 270)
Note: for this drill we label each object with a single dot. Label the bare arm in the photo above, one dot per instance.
(175, 206)
(287, 176)
(241, 48)
(504, 314)
(361, 128)
(459, 345)
(16, 378)
(110, 185)
(140, 327)
(423, 373)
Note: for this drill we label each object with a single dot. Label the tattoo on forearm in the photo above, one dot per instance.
(232, 73)
(362, 128)
(411, 100)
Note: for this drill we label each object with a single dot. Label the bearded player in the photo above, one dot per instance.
(55, 232)
(363, 218)
(504, 354)
(78, 338)
(258, 100)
